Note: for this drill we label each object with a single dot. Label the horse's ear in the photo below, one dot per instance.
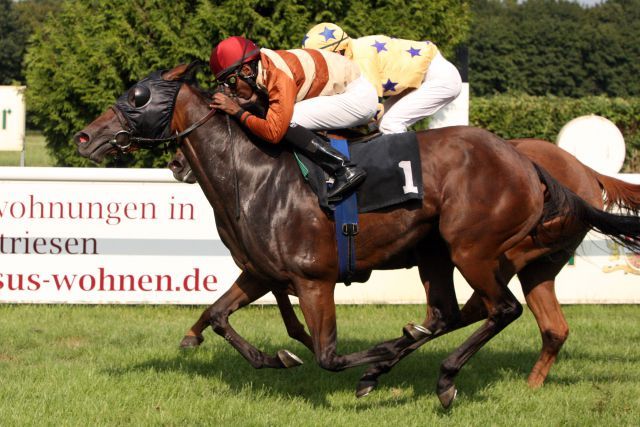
(191, 70)
(185, 72)
(175, 73)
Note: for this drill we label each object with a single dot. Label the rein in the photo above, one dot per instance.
(123, 139)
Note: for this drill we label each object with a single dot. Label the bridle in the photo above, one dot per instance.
(151, 114)
(123, 139)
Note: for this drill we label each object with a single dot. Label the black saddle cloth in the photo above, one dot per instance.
(394, 172)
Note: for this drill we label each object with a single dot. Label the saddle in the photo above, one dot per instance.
(392, 162)
(394, 175)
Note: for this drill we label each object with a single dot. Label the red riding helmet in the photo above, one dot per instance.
(230, 54)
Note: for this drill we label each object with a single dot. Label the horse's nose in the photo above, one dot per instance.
(81, 138)
(175, 166)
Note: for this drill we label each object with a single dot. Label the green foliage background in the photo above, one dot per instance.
(526, 116)
(88, 52)
(12, 44)
(555, 47)
(535, 55)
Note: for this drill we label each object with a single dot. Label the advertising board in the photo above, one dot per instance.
(117, 236)
(12, 118)
(136, 236)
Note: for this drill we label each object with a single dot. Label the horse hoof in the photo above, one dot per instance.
(447, 397)
(365, 387)
(415, 332)
(191, 341)
(536, 379)
(288, 359)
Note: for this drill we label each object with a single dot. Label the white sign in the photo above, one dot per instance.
(127, 236)
(12, 118)
(595, 141)
(67, 236)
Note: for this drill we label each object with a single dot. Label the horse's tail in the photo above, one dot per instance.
(562, 202)
(618, 193)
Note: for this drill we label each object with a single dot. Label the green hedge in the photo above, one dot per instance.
(524, 116)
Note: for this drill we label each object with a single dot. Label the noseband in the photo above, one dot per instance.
(147, 108)
(123, 139)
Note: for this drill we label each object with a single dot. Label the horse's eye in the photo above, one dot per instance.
(139, 96)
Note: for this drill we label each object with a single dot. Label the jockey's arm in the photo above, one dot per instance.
(282, 97)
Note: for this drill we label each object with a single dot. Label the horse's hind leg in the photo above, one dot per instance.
(502, 308)
(443, 314)
(245, 290)
(538, 285)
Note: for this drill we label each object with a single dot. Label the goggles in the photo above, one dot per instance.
(231, 81)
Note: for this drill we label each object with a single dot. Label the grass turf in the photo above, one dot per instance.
(117, 365)
(36, 153)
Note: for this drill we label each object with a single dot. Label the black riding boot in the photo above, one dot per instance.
(347, 175)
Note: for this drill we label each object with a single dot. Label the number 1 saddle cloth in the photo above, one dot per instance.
(394, 172)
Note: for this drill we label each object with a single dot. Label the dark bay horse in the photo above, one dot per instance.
(538, 288)
(481, 197)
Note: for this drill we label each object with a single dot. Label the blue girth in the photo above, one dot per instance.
(346, 219)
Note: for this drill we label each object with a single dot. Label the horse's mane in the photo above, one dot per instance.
(257, 108)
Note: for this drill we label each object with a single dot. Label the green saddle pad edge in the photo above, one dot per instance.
(303, 168)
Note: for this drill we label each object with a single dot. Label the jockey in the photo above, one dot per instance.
(414, 75)
(307, 89)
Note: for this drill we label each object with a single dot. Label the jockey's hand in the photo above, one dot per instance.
(223, 102)
(243, 102)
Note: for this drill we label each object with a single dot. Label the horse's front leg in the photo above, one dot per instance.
(193, 338)
(318, 307)
(295, 329)
(244, 291)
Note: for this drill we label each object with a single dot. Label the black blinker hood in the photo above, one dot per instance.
(153, 119)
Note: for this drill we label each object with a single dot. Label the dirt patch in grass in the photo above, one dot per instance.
(73, 342)
(4, 357)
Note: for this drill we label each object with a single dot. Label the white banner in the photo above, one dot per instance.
(74, 235)
(12, 118)
(87, 236)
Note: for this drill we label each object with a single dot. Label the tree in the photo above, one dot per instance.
(31, 13)
(13, 37)
(555, 47)
(89, 51)
(534, 47)
(613, 54)
(18, 23)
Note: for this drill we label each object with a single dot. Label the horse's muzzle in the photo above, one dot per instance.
(90, 148)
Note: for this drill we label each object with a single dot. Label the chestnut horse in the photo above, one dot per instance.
(492, 208)
(538, 288)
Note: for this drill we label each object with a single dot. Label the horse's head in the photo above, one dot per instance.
(141, 117)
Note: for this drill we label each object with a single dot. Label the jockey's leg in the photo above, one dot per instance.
(354, 107)
(346, 174)
(441, 85)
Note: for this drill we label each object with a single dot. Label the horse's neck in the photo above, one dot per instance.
(227, 157)
(232, 171)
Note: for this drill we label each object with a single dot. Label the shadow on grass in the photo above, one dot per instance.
(418, 373)
(415, 376)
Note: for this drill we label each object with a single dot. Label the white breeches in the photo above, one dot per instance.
(441, 85)
(355, 106)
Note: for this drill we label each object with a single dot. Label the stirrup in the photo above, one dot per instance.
(350, 179)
